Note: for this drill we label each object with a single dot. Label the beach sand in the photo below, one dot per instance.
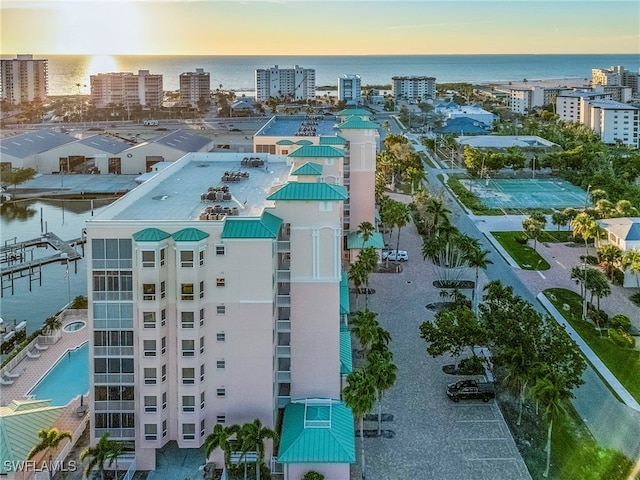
(548, 83)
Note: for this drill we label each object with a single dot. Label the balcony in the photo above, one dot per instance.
(115, 405)
(283, 276)
(283, 300)
(113, 351)
(283, 377)
(284, 246)
(283, 325)
(117, 433)
(117, 378)
(283, 351)
(283, 401)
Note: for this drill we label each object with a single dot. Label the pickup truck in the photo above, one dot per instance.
(395, 255)
(471, 389)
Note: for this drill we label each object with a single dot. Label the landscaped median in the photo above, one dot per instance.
(623, 363)
(526, 257)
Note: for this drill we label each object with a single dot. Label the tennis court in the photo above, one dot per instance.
(527, 193)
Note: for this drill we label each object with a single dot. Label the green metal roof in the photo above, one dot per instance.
(310, 191)
(344, 294)
(346, 364)
(317, 431)
(150, 235)
(266, 226)
(189, 235)
(333, 140)
(354, 241)
(356, 123)
(304, 142)
(308, 168)
(317, 151)
(284, 142)
(20, 422)
(360, 112)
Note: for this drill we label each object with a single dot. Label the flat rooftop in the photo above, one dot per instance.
(175, 193)
(296, 125)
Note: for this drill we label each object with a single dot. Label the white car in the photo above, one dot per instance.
(395, 255)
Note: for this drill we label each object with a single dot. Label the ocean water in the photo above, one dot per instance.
(69, 74)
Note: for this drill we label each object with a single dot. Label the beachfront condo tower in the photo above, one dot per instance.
(128, 89)
(350, 89)
(23, 79)
(413, 88)
(195, 88)
(295, 83)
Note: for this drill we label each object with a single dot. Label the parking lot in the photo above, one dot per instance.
(433, 437)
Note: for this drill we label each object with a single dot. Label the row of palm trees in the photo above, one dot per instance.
(242, 439)
(367, 384)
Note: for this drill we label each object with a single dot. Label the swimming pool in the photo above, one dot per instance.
(67, 379)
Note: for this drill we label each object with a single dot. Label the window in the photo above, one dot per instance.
(220, 364)
(202, 372)
(186, 319)
(163, 317)
(148, 291)
(188, 431)
(163, 289)
(202, 397)
(220, 309)
(186, 291)
(201, 257)
(149, 348)
(164, 400)
(150, 403)
(188, 376)
(201, 316)
(325, 206)
(220, 282)
(220, 249)
(221, 392)
(202, 428)
(202, 289)
(188, 403)
(163, 255)
(148, 259)
(149, 376)
(201, 345)
(150, 431)
(188, 348)
(221, 418)
(164, 428)
(163, 345)
(186, 258)
(220, 337)
(164, 373)
(149, 319)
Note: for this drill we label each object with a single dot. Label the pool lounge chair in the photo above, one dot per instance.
(30, 354)
(5, 382)
(11, 375)
(41, 347)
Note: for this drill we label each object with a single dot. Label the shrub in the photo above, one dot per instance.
(80, 303)
(471, 366)
(313, 476)
(635, 298)
(621, 322)
(618, 277)
(622, 338)
(522, 240)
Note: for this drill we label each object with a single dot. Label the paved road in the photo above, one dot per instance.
(613, 424)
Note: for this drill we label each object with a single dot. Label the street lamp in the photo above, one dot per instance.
(584, 264)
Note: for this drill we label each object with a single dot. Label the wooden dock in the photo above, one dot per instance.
(17, 259)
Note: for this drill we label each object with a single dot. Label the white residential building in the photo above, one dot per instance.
(451, 110)
(616, 76)
(614, 122)
(23, 79)
(125, 88)
(298, 83)
(350, 88)
(195, 87)
(413, 87)
(572, 106)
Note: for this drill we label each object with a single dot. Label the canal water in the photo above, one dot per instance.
(28, 219)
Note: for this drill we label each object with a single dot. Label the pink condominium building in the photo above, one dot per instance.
(217, 295)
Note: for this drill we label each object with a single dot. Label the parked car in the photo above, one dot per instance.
(471, 389)
(395, 255)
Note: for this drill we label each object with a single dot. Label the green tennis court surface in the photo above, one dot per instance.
(527, 193)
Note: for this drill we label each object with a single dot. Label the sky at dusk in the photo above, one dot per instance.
(311, 27)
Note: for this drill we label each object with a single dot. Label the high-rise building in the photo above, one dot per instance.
(350, 88)
(217, 296)
(296, 83)
(128, 89)
(413, 88)
(195, 87)
(23, 79)
(616, 76)
(573, 106)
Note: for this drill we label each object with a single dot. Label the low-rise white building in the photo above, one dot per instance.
(624, 233)
(451, 110)
(614, 122)
(572, 106)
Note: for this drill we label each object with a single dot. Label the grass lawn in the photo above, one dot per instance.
(624, 363)
(526, 257)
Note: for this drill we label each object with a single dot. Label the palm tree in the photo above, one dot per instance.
(98, 455)
(365, 230)
(438, 213)
(360, 395)
(358, 275)
(400, 217)
(365, 328)
(50, 438)
(369, 260)
(586, 227)
(383, 372)
(116, 449)
(519, 370)
(51, 324)
(631, 260)
(252, 436)
(220, 438)
(416, 176)
(477, 258)
(551, 397)
(610, 255)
